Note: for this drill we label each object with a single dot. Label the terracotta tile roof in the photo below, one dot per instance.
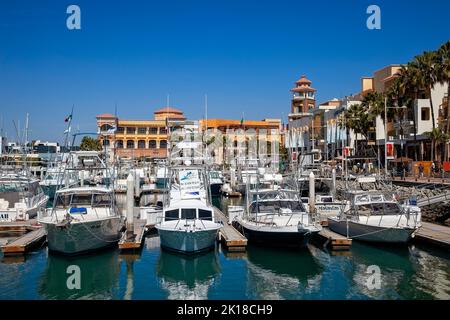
(168, 109)
(303, 80)
(303, 89)
(105, 115)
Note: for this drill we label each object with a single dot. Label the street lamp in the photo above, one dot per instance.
(385, 132)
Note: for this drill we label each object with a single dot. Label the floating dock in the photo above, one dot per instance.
(232, 239)
(434, 234)
(25, 243)
(133, 241)
(19, 226)
(334, 240)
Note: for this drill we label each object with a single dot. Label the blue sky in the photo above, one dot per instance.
(245, 55)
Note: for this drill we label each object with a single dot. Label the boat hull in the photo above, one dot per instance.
(76, 238)
(216, 189)
(276, 238)
(187, 242)
(369, 233)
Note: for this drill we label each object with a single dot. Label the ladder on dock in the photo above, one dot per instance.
(433, 200)
(228, 235)
(25, 243)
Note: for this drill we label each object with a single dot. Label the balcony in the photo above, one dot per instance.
(299, 115)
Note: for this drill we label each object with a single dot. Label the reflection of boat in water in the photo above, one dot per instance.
(187, 277)
(404, 271)
(281, 274)
(99, 276)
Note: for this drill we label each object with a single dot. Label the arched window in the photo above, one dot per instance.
(105, 127)
(106, 143)
(163, 144)
(130, 144)
(152, 144)
(119, 144)
(141, 144)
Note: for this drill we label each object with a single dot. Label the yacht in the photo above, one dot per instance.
(215, 182)
(55, 179)
(21, 197)
(374, 216)
(276, 217)
(85, 217)
(188, 224)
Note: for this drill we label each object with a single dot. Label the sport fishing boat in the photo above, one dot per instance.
(82, 219)
(215, 182)
(21, 197)
(276, 217)
(188, 223)
(373, 216)
(85, 217)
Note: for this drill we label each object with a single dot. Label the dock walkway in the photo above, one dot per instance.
(19, 226)
(434, 234)
(333, 240)
(229, 236)
(25, 243)
(133, 241)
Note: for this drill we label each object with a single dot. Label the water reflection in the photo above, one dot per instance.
(404, 270)
(187, 277)
(281, 274)
(99, 276)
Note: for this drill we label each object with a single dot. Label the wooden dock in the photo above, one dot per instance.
(19, 226)
(334, 240)
(232, 239)
(25, 243)
(434, 234)
(134, 240)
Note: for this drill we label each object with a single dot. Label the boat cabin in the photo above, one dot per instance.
(188, 214)
(76, 200)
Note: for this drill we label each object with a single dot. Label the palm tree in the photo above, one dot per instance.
(360, 120)
(428, 76)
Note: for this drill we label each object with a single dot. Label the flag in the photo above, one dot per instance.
(242, 120)
(113, 129)
(68, 118)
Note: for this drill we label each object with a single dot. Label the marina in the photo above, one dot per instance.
(239, 152)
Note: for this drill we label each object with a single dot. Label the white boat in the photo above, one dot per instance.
(56, 178)
(376, 217)
(215, 182)
(21, 197)
(188, 224)
(82, 219)
(277, 217)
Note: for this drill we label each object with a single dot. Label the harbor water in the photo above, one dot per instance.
(410, 272)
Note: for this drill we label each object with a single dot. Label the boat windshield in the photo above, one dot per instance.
(214, 175)
(275, 206)
(381, 208)
(75, 200)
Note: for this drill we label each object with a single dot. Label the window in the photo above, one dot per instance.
(152, 144)
(106, 142)
(131, 130)
(105, 127)
(425, 113)
(204, 214)
(63, 201)
(142, 130)
(188, 213)
(119, 144)
(163, 144)
(130, 144)
(141, 144)
(102, 200)
(120, 130)
(81, 199)
(162, 130)
(171, 215)
(153, 130)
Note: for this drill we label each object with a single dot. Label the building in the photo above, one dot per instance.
(137, 138)
(303, 104)
(240, 134)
